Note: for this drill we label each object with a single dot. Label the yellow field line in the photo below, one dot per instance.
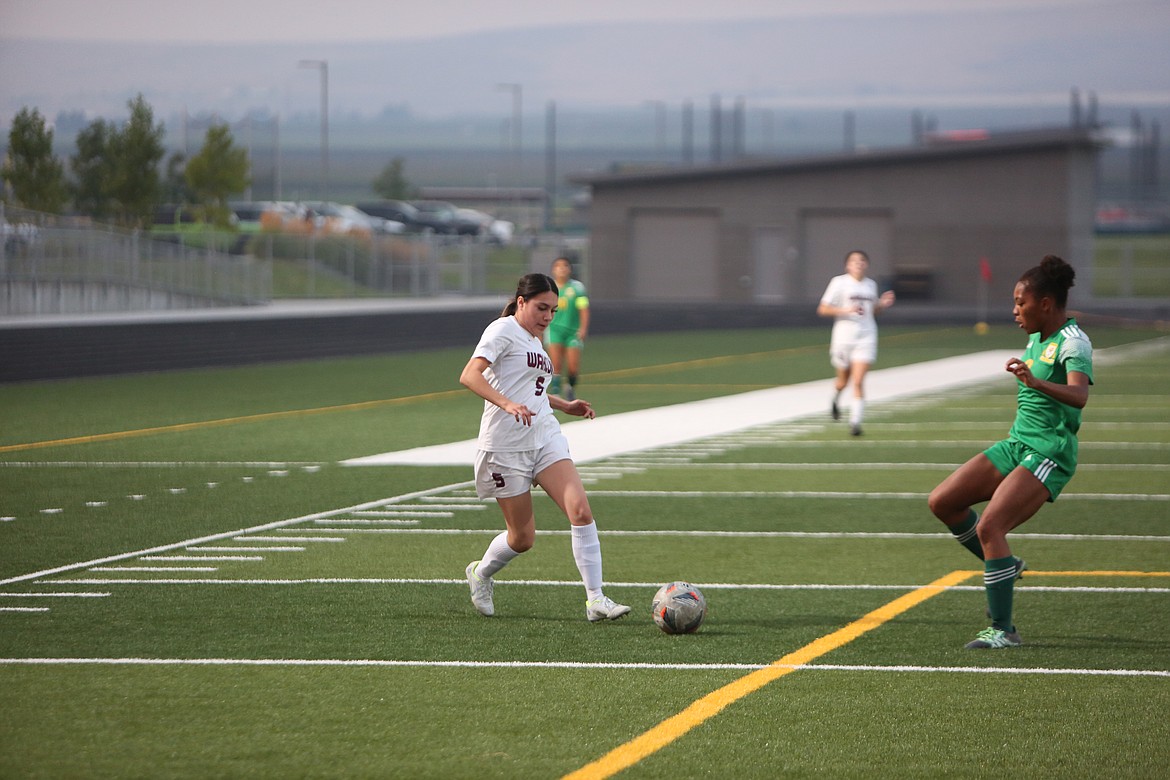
(116, 435)
(672, 728)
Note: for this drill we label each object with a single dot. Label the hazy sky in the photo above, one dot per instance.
(449, 57)
(235, 21)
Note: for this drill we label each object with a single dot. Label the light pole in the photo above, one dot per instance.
(323, 67)
(516, 91)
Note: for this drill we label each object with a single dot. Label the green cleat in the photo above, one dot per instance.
(994, 639)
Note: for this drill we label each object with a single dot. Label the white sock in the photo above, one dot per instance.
(496, 557)
(856, 411)
(587, 554)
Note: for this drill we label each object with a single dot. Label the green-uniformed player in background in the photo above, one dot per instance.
(1018, 475)
(570, 326)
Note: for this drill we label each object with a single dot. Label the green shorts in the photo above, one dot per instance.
(565, 337)
(1008, 454)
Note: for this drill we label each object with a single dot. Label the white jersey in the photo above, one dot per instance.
(860, 297)
(521, 370)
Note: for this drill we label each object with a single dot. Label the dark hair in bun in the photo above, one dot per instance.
(529, 286)
(1051, 279)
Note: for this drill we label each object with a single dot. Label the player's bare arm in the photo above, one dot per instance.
(473, 379)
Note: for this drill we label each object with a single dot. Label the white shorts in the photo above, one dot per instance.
(507, 474)
(844, 352)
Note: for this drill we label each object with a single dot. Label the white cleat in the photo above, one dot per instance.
(605, 608)
(481, 591)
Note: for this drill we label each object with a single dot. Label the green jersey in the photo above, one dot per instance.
(1043, 423)
(572, 300)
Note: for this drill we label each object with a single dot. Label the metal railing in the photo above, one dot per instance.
(52, 264)
(61, 265)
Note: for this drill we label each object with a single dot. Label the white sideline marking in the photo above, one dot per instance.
(230, 534)
(154, 568)
(566, 665)
(176, 558)
(54, 595)
(577, 584)
(380, 521)
(286, 539)
(405, 513)
(138, 464)
(592, 440)
(836, 494)
(24, 609)
(247, 549)
(760, 534)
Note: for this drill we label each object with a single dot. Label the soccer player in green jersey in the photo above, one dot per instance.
(1032, 465)
(570, 326)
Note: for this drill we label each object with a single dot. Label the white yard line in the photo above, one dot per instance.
(633, 665)
(709, 586)
(227, 535)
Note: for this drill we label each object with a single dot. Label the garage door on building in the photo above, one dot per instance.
(829, 234)
(675, 255)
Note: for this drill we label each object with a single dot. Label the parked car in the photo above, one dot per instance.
(339, 218)
(395, 210)
(471, 222)
(437, 215)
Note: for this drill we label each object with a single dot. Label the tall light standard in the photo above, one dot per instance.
(516, 91)
(323, 67)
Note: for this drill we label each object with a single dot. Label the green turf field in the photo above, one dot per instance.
(191, 585)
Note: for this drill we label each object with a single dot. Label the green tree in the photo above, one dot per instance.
(92, 170)
(219, 170)
(134, 152)
(392, 183)
(35, 176)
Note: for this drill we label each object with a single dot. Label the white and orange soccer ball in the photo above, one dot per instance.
(678, 608)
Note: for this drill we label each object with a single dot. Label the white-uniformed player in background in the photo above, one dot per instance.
(521, 444)
(852, 300)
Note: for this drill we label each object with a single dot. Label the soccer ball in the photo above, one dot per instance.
(678, 608)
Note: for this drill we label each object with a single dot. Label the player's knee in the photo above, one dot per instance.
(521, 542)
(941, 505)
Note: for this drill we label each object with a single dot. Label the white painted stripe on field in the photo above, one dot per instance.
(880, 466)
(239, 531)
(632, 665)
(839, 494)
(383, 521)
(24, 609)
(761, 534)
(247, 549)
(404, 513)
(155, 568)
(647, 429)
(138, 464)
(54, 595)
(431, 509)
(287, 538)
(175, 558)
(712, 586)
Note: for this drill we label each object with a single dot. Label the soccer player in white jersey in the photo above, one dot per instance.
(852, 300)
(1018, 475)
(521, 444)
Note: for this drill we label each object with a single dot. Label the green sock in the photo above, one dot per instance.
(999, 580)
(555, 386)
(964, 532)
